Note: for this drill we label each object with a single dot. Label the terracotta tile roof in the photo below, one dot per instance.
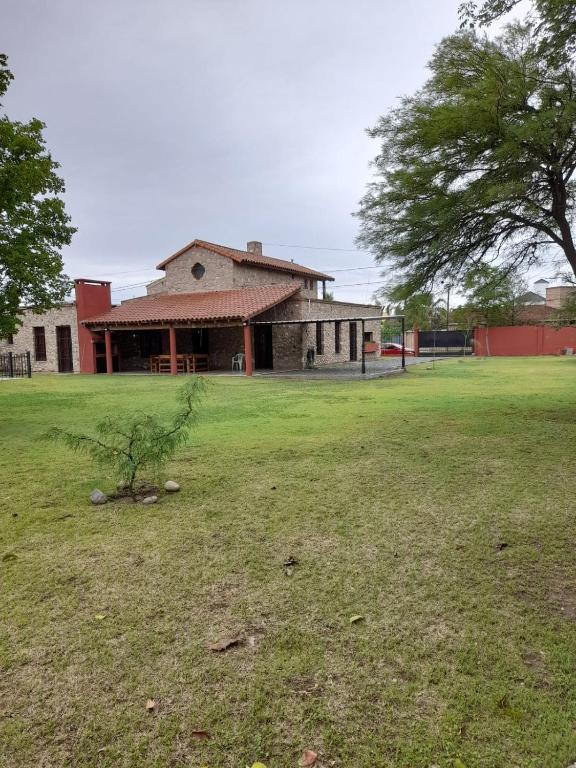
(236, 305)
(246, 257)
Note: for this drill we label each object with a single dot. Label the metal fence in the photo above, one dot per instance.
(445, 342)
(15, 366)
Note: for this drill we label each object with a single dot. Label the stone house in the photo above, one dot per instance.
(212, 304)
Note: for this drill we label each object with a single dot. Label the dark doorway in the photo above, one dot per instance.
(353, 342)
(263, 355)
(64, 348)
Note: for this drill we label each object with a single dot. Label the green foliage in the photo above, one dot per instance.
(491, 297)
(556, 20)
(33, 222)
(566, 315)
(478, 165)
(328, 296)
(421, 310)
(133, 444)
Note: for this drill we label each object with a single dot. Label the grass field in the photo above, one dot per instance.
(440, 506)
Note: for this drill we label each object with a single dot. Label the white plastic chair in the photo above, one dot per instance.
(238, 362)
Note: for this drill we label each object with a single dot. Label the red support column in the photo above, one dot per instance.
(173, 358)
(248, 349)
(415, 341)
(108, 346)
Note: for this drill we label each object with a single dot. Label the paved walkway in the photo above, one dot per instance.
(375, 369)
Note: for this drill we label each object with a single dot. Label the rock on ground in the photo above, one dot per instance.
(97, 497)
(150, 500)
(171, 486)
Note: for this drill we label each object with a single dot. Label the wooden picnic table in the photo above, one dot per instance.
(192, 363)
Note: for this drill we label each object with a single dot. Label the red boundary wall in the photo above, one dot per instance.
(517, 340)
(92, 298)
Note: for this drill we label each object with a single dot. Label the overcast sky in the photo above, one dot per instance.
(226, 120)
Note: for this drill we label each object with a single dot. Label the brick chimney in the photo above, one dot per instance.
(254, 246)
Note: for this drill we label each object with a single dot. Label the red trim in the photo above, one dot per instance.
(248, 349)
(173, 357)
(108, 345)
(92, 298)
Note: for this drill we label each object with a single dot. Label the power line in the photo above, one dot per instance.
(313, 247)
(349, 285)
(126, 287)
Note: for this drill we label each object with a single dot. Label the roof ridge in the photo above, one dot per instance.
(247, 256)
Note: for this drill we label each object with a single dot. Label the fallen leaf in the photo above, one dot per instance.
(257, 765)
(225, 643)
(290, 562)
(200, 735)
(356, 619)
(151, 705)
(308, 759)
(9, 556)
(100, 616)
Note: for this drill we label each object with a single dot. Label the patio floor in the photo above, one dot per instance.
(375, 369)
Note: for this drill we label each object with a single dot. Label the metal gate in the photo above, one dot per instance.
(15, 366)
(445, 342)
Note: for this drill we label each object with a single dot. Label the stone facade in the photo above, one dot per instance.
(219, 273)
(23, 340)
(303, 337)
(224, 343)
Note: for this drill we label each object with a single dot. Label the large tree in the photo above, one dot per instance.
(477, 166)
(492, 297)
(33, 223)
(555, 20)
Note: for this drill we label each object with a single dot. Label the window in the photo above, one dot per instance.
(368, 336)
(10, 338)
(39, 343)
(337, 329)
(319, 338)
(198, 271)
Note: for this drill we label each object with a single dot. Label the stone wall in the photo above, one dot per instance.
(224, 343)
(156, 286)
(287, 347)
(247, 275)
(221, 274)
(305, 335)
(24, 338)
(218, 273)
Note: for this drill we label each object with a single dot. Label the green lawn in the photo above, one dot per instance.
(439, 505)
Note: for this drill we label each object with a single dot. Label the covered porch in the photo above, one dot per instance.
(185, 332)
(175, 350)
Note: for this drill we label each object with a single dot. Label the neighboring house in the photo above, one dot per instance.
(542, 303)
(212, 303)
